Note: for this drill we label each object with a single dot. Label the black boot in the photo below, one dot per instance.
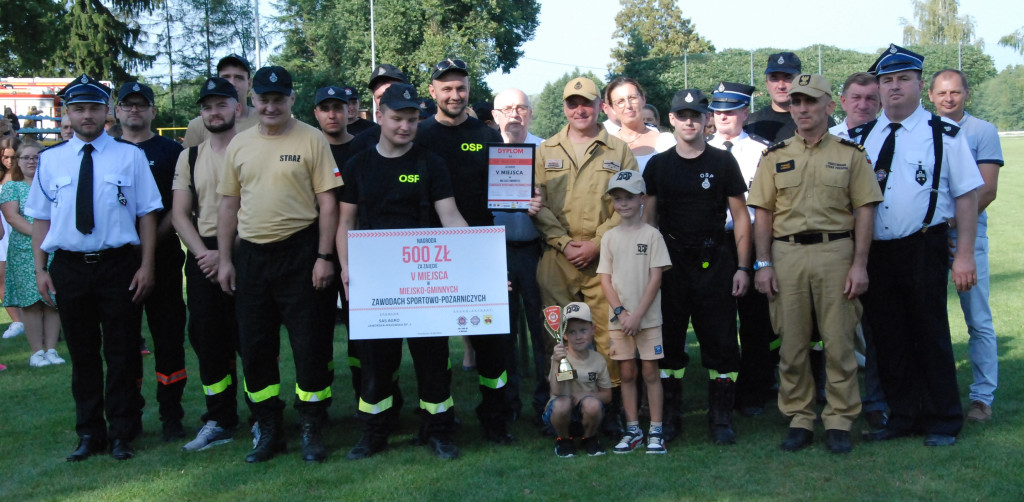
(721, 398)
(268, 438)
(312, 442)
(672, 390)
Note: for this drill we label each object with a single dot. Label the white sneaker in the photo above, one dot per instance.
(51, 355)
(38, 360)
(210, 435)
(15, 329)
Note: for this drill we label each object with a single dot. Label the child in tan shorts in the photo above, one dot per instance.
(633, 257)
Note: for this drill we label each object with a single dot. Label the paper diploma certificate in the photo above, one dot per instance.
(510, 176)
(427, 282)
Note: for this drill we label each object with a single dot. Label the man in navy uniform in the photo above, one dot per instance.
(93, 200)
(929, 180)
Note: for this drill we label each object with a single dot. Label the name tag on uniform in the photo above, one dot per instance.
(783, 167)
(553, 164)
(836, 165)
(611, 165)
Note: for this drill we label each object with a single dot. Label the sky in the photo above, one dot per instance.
(569, 37)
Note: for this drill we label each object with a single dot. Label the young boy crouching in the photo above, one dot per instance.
(577, 405)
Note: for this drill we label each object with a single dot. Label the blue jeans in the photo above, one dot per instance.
(978, 315)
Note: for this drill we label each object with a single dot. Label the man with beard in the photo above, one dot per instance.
(213, 328)
(237, 70)
(462, 141)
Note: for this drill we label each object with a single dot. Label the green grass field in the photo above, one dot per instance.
(37, 431)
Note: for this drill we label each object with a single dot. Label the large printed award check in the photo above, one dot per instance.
(427, 282)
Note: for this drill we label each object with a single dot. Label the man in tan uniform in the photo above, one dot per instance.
(814, 195)
(573, 210)
(212, 328)
(275, 178)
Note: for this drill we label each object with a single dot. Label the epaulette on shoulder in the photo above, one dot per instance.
(847, 142)
(774, 147)
(947, 127)
(759, 139)
(128, 143)
(55, 145)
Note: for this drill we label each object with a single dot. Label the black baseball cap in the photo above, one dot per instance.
(350, 93)
(234, 60)
(329, 92)
(129, 88)
(85, 89)
(690, 99)
(384, 72)
(785, 62)
(400, 96)
(272, 79)
(427, 107)
(449, 65)
(216, 86)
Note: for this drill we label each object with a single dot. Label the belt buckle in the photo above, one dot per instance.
(91, 257)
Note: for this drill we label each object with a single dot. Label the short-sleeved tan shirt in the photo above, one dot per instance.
(629, 256)
(591, 374)
(813, 188)
(576, 205)
(209, 165)
(277, 178)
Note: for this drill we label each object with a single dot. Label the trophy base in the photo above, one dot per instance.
(564, 376)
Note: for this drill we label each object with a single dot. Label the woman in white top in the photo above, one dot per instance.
(625, 95)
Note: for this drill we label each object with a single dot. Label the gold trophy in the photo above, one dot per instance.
(555, 324)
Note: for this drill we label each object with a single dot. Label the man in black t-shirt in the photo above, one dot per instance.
(165, 307)
(688, 190)
(378, 194)
(356, 124)
(381, 78)
(774, 122)
(462, 141)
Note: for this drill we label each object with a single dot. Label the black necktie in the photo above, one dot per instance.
(83, 202)
(885, 156)
(728, 146)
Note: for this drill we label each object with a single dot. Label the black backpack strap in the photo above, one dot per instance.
(933, 198)
(193, 154)
(861, 132)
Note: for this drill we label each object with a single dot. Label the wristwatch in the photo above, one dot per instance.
(325, 256)
(617, 310)
(758, 265)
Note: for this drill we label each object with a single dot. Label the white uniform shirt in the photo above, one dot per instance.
(747, 152)
(906, 201)
(118, 167)
(841, 129)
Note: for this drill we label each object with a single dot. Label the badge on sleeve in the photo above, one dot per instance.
(785, 167)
